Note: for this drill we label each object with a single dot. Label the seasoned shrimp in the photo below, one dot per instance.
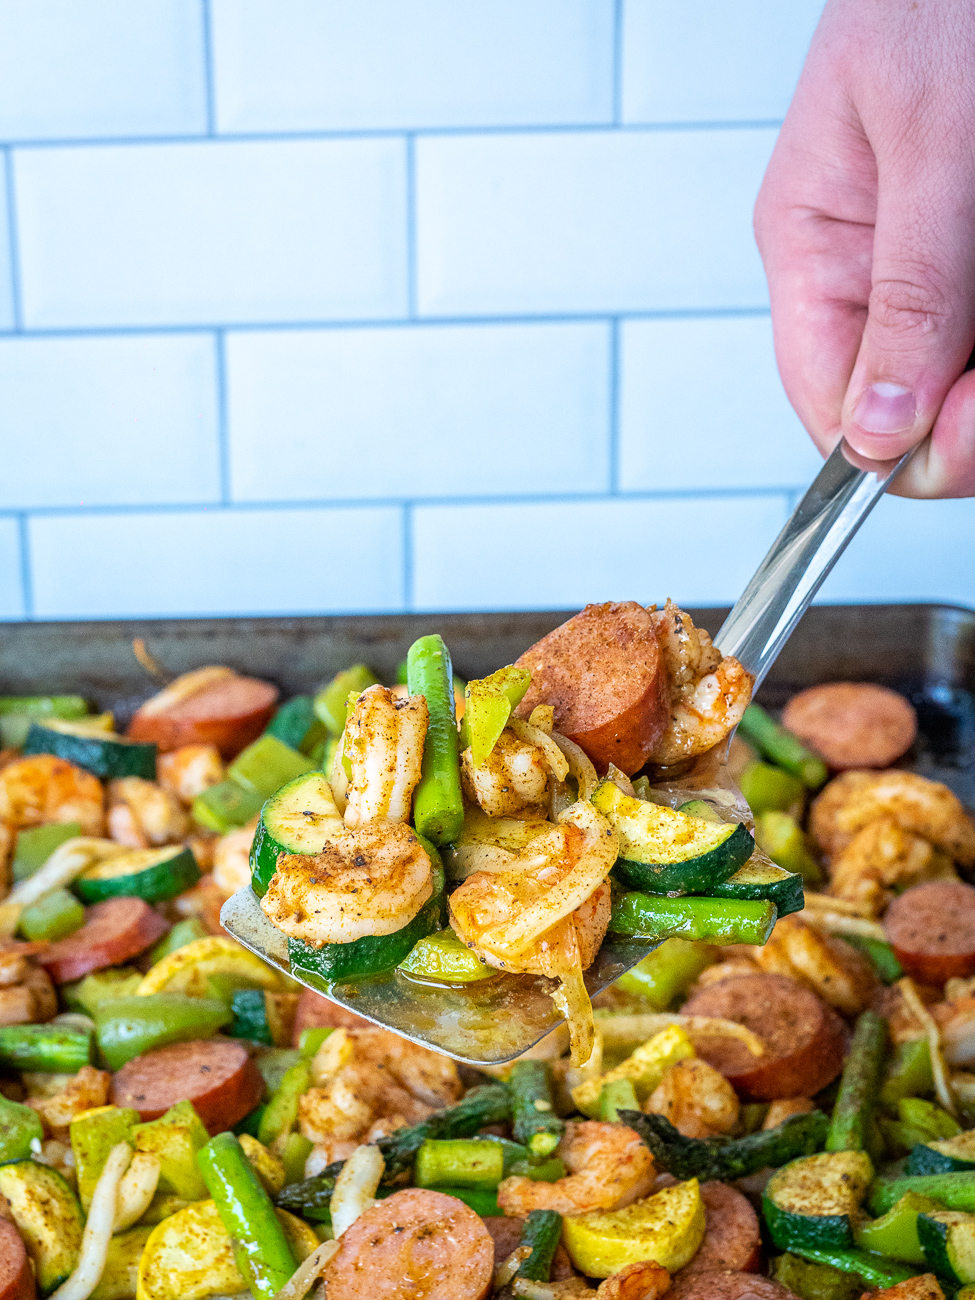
(231, 858)
(82, 1091)
(384, 744)
(372, 880)
(827, 965)
(708, 693)
(881, 856)
(513, 776)
(143, 815)
(189, 770)
(43, 788)
(698, 1101)
(917, 805)
(609, 1167)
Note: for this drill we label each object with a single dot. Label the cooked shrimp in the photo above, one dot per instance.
(372, 880)
(609, 1167)
(827, 965)
(83, 1091)
(189, 770)
(43, 788)
(384, 744)
(784, 1107)
(881, 856)
(917, 805)
(231, 858)
(142, 814)
(513, 776)
(642, 1281)
(708, 693)
(698, 1101)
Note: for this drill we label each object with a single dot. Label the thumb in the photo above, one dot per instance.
(920, 322)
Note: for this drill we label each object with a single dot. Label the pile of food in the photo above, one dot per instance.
(779, 1100)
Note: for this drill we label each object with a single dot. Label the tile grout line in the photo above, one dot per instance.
(13, 242)
(26, 577)
(223, 431)
(614, 406)
(407, 556)
(617, 62)
(207, 32)
(411, 267)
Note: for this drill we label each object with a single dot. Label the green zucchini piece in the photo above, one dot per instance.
(370, 955)
(758, 879)
(105, 755)
(948, 1156)
(813, 1203)
(444, 959)
(48, 1217)
(226, 806)
(663, 851)
(293, 721)
(947, 1238)
(152, 874)
(300, 818)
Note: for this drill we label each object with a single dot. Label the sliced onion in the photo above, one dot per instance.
(580, 765)
(620, 780)
(631, 1030)
(189, 684)
(67, 862)
(468, 858)
(535, 736)
(136, 1190)
(98, 1228)
(572, 999)
(542, 716)
(920, 1012)
(356, 1186)
(307, 1272)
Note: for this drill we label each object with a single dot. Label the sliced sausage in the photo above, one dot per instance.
(924, 1287)
(731, 1237)
(506, 1235)
(316, 1012)
(852, 724)
(113, 932)
(804, 1039)
(727, 1286)
(16, 1274)
(604, 675)
(416, 1242)
(215, 1074)
(228, 712)
(931, 928)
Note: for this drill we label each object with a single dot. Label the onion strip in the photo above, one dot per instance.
(356, 1186)
(66, 862)
(98, 1228)
(580, 765)
(841, 923)
(307, 1272)
(920, 1012)
(506, 1270)
(183, 688)
(622, 1030)
(535, 736)
(136, 1189)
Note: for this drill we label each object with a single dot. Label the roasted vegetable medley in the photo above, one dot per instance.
(779, 1100)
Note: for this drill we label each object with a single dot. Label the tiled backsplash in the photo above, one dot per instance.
(325, 305)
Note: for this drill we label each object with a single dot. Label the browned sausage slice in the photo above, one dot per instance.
(417, 1243)
(852, 724)
(931, 928)
(924, 1287)
(16, 1274)
(216, 1075)
(731, 1238)
(727, 1286)
(603, 674)
(113, 932)
(804, 1039)
(316, 1012)
(228, 712)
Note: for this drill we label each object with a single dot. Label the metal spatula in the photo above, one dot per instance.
(489, 1023)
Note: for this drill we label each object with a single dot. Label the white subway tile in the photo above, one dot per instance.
(109, 421)
(101, 68)
(11, 588)
(210, 232)
(6, 265)
(909, 550)
(711, 61)
(701, 406)
(217, 562)
(311, 65)
(557, 555)
(589, 221)
(435, 411)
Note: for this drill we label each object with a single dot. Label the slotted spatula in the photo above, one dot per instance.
(489, 1023)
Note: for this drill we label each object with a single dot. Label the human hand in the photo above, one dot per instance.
(866, 226)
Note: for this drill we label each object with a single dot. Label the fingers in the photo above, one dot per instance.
(944, 465)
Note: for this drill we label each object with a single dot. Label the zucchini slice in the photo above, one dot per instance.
(667, 852)
(812, 1203)
(48, 1216)
(298, 818)
(102, 753)
(370, 955)
(946, 1156)
(947, 1238)
(758, 879)
(152, 874)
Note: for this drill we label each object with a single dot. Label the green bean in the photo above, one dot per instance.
(534, 1121)
(851, 1128)
(713, 920)
(542, 1231)
(782, 747)
(459, 1162)
(52, 1049)
(954, 1191)
(438, 806)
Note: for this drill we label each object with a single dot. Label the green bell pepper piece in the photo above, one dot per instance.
(667, 973)
(87, 995)
(331, 702)
(895, 1233)
(310, 1040)
(36, 845)
(19, 1127)
(281, 1114)
(294, 1151)
(266, 765)
(768, 789)
(52, 917)
(781, 837)
(17, 712)
(175, 1138)
(909, 1074)
(129, 1026)
(880, 955)
(226, 806)
(444, 958)
(93, 1134)
(182, 933)
(488, 704)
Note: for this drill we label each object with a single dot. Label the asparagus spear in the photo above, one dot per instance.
(721, 1158)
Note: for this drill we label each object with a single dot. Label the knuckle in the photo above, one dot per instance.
(915, 305)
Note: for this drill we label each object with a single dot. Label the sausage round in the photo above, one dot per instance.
(731, 1237)
(419, 1242)
(852, 724)
(931, 928)
(16, 1274)
(229, 714)
(316, 1012)
(114, 931)
(725, 1285)
(804, 1039)
(603, 674)
(215, 1074)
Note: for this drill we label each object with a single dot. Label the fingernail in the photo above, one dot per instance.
(885, 408)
